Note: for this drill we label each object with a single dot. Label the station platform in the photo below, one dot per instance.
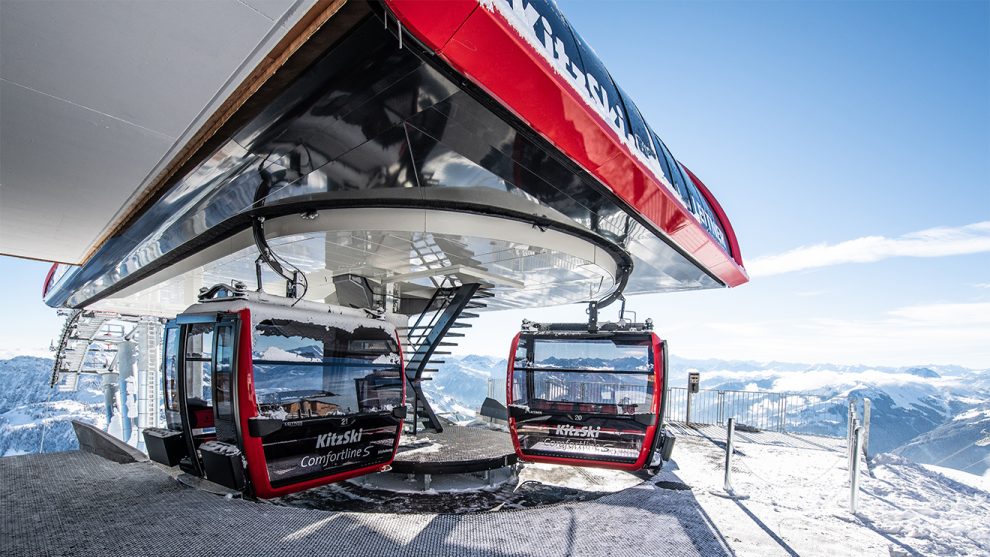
(455, 450)
(77, 503)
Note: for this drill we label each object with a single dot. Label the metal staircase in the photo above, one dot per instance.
(427, 337)
(88, 344)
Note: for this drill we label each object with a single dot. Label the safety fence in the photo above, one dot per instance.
(857, 439)
(762, 410)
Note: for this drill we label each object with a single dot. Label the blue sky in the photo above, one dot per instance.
(858, 127)
(819, 123)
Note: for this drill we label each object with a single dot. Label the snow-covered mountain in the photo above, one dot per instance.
(933, 414)
(465, 379)
(29, 409)
(962, 443)
(908, 403)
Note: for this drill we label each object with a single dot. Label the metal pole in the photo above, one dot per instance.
(729, 434)
(109, 385)
(666, 410)
(854, 484)
(783, 414)
(866, 428)
(687, 413)
(849, 425)
(852, 447)
(721, 407)
(849, 420)
(780, 413)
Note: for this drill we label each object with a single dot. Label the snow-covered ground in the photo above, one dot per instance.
(972, 480)
(797, 502)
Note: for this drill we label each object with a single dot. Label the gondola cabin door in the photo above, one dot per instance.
(199, 354)
(586, 399)
(306, 395)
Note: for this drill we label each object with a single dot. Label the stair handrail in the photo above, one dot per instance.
(435, 313)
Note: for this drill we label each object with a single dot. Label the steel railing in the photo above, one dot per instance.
(762, 410)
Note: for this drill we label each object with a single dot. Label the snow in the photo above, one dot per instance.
(276, 354)
(274, 413)
(574, 477)
(929, 510)
(973, 414)
(972, 480)
(427, 448)
(798, 502)
(30, 411)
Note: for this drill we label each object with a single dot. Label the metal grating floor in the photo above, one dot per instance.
(453, 449)
(77, 503)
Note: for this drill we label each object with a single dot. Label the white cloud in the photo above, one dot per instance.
(950, 333)
(933, 242)
(947, 314)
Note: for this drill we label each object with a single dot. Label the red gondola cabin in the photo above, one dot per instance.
(307, 393)
(588, 399)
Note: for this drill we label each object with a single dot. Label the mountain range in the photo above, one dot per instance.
(931, 414)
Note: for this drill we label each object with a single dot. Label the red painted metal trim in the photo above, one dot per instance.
(248, 408)
(48, 281)
(445, 17)
(487, 50)
(730, 233)
(508, 395)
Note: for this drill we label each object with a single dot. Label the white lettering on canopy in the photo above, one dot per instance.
(523, 17)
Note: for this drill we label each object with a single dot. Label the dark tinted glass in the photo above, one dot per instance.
(552, 30)
(661, 158)
(307, 370)
(640, 132)
(675, 174)
(604, 95)
(586, 371)
(224, 375)
(702, 210)
(594, 354)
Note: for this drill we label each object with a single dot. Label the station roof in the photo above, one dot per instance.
(325, 110)
(97, 98)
